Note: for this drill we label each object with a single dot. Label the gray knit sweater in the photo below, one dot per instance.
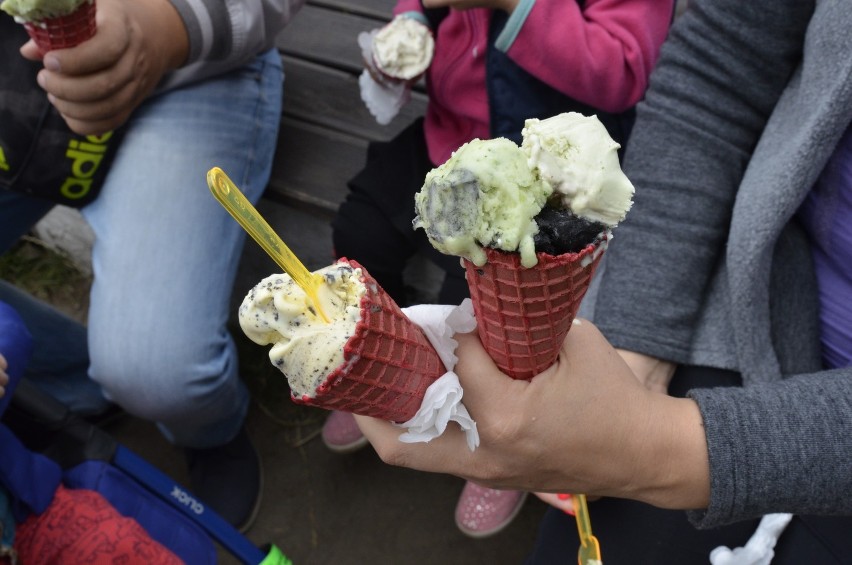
(226, 34)
(744, 109)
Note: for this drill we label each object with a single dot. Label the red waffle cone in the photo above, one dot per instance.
(388, 363)
(64, 31)
(523, 315)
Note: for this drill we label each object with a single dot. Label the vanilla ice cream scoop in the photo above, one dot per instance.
(305, 348)
(485, 195)
(578, 158)
(404, 48)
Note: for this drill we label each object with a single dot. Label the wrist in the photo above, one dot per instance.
(674, 469)
(172, 32)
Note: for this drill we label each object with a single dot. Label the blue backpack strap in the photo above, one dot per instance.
(185, 503)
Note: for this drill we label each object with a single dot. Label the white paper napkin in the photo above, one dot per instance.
(383, 99)
(442, 402)
(760, 548)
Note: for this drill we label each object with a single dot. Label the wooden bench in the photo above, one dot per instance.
(326, 127)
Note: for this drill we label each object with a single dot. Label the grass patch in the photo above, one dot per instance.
(48, 275)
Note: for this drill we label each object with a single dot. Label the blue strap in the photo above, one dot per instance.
(175, 495)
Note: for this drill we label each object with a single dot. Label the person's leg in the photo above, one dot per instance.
(18, 214)
(631, 532)
(362, 232)
(60, 360)
(373, 227)
(59, 363)
(165, 257)
(166, 253)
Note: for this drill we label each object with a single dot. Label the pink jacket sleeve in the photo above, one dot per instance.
(403, 6)
(600, 56)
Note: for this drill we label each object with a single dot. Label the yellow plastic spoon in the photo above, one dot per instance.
(229, 196)
(590, 549)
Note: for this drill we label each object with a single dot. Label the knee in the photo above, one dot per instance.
(162, 383)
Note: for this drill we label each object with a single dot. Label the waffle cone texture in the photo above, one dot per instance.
(523, 314)
(64, 31)
(388, 363)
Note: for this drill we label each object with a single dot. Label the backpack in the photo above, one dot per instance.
(39, 154)
(45, 447)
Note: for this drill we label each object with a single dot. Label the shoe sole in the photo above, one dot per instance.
(479, 534)
(356, 445)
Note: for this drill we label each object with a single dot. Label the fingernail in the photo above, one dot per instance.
(40, 79)
(51, 63)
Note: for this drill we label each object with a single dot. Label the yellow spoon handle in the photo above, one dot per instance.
(233, 200)
(589, 546)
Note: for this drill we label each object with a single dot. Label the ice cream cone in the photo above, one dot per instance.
(66, 31)
(388, 363)
(523, 314)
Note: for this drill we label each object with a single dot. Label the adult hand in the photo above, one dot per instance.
(654, 373)
(584, 425)
(4, 378)
(99, 83)
(505, 5)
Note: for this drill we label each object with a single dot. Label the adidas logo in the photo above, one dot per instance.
(86, 157)
(183, 498)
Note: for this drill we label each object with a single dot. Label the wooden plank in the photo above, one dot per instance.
(331, 98)
(336, 46)
(312, 165)
(380, 9)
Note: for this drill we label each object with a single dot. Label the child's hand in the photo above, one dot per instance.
(99, 83)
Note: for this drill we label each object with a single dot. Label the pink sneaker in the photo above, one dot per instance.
(482, 512)
(341, 434)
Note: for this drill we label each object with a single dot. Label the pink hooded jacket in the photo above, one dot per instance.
(600, 54)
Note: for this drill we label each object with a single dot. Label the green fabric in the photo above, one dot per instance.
(275, 557)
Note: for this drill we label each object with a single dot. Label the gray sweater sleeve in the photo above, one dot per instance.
(781, 447)
(720, 74)
(225, 34)
(775, 447)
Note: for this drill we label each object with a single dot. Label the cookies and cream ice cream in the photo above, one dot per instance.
(371, 359)
(38, 10)
(484, 195)
(304, 347)
(404, 48)
(577, 157)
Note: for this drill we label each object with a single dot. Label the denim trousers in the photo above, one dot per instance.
(164, 260)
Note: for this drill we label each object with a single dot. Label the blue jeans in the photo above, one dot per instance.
(164, 258)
